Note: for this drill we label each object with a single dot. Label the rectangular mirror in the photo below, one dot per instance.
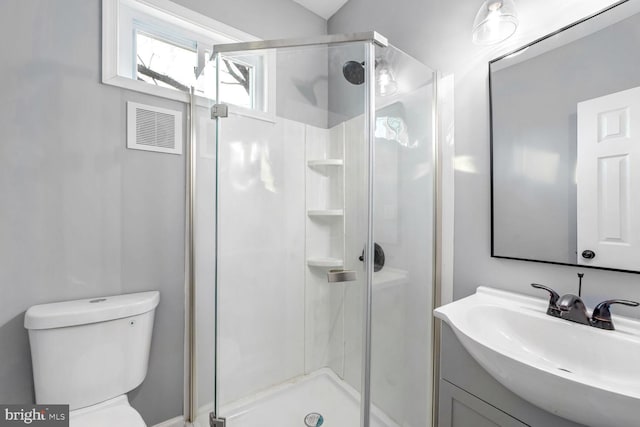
(565, 145)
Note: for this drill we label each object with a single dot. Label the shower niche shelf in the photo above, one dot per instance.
(324, 162)
(325, 262)
(325, 180)
(325, 212)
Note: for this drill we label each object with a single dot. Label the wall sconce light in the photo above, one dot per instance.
(385, 80)
(496, 21)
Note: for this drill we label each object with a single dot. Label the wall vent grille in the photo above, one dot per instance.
(154, 129)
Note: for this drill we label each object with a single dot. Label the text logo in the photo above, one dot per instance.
(34, 415)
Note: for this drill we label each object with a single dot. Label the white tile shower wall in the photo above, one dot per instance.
(261, 254)
(387, 193)
(278, 318)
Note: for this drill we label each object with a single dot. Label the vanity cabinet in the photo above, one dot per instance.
(470, 397)
(461, 409)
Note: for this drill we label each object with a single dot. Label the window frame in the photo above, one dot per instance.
(185, 24)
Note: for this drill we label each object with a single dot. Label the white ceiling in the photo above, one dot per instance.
(323, 8)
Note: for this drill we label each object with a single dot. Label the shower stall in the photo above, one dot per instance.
(313, 188)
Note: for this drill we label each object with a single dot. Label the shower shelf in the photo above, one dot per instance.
(324, 262)
(325, 162)
(325, 212)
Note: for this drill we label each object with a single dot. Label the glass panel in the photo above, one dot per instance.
(292, 204)
(401, 369)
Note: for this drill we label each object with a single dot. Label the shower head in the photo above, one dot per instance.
(354, 72)
(385, 82)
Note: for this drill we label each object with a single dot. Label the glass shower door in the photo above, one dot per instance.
(404, 195)
(292, 209)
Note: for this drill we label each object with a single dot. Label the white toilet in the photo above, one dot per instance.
(90, 353)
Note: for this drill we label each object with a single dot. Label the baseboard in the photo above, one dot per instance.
(173, 422)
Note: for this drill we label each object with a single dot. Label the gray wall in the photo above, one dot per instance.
(80, 215)
(301, 85)
(535, 113)
(439, 34)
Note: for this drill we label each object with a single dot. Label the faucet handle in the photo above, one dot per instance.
(553, 309)
(601, 317)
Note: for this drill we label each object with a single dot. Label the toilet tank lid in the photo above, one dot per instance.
(91, 310)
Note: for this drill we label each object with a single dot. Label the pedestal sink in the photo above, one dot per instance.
(587, 375)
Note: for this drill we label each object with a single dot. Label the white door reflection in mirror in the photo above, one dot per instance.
(608, 175)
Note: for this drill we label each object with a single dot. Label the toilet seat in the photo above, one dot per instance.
(113, 412)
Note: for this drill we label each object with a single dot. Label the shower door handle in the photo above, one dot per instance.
(338, 276)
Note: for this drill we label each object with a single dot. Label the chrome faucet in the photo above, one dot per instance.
(571, 307)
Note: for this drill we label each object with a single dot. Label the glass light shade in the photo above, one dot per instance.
(385, 80)
(496, 21)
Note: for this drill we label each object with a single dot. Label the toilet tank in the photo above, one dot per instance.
(87, 351)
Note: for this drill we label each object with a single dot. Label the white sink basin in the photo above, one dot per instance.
(587, 375)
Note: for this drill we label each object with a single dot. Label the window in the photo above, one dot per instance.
(161, 48)
(237, 83)
(163, 63)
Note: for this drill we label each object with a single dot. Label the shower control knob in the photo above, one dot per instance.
(378, 257)
(588, 254)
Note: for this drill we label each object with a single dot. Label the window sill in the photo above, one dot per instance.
(162, 92)
(143, 87)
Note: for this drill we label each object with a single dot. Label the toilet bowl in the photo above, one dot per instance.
(89, 353)
(113, 412)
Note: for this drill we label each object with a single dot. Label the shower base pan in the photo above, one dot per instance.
(286, 405)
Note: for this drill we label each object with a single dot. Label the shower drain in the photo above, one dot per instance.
(313, 420)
